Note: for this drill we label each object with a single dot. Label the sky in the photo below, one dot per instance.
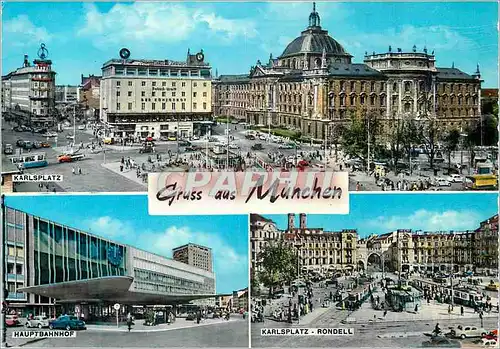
(125, 219)
(383, 213)
(80, 37)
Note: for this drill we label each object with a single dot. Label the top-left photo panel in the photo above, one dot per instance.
(96, 96)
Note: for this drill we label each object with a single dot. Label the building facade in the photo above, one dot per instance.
(47, 261)
(29, 95)
(314, 87)
(262, 231)
(153, 98)
(195, 255)
(90, 95)
(67, 94)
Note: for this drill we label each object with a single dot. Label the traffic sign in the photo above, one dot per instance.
(116, 306)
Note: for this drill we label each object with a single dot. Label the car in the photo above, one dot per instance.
(455, 178)
(467, 332)
(8, 149)
(263, 137)
(38, 321)
(28, 145)
(45, 145)
(68, 323)
(184, 143)
(171, 138)
(40, 130)
(492, 335)
(18, 129)
(257, 146)
(37, 145)
(12, 320)
(492, 287)
(191, 316)
(81, 127)
(250, 137)
(192, 148)
(20, 143)
(196, 138)
(69, 157)
(70, 137)
(441, 342)
(484, 342)
(233, 146)
(442, 182)
(285, 146)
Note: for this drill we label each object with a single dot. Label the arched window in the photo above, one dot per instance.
(395, 87)
(407, 86)
(407, 107)
(317, 63)
(353, 100)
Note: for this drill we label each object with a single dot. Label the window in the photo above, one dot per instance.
(117, 93)
(204, 94)
(353, 85)
(195, 84)
(204, 84)
(407, 86)
(204, 105)
(153, 94)
(143, 83)
(117, 106)
(153, 106)
(129, 93)
(194, 105)
(173, 83)
(143, 93)
(118, 83)
(130, 106)
(163, 105)
(163, 94)
(194, 94)
(143, 106)
(183, 94)
(153, 83)
(173, 106)
(130, 83)
(183, 106)
(173, 93)
(164, 83)
(183, 84)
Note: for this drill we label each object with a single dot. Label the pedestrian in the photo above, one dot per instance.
(79, 170)
(462, 310)
(73, 170)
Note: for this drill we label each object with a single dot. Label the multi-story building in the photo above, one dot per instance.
(487, 243)
(240, 300)
(195, 255)
(315, 87)
(157, 98)
(48, 262)
(89, 96)
(262, 231)
(67, 94)
(29, 94)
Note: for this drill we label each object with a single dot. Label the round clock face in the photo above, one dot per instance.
(200, 56)
(124, 53)
(114, 255)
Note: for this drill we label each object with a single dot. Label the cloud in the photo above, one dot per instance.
(20, 31)
(109, 227)
(149, 23)
(427, 221)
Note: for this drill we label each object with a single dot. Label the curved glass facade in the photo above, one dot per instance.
(65, 254)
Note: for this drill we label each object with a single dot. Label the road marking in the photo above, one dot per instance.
(122, 329)
(399, 334)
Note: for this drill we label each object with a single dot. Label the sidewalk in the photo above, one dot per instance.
(180, 323)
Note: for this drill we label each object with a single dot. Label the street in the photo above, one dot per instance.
(223, 334)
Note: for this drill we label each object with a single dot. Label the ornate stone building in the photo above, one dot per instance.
(315, 86)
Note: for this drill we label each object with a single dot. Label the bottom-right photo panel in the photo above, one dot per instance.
(400, 270)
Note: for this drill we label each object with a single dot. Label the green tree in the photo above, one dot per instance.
(277, 264)
(451, 141)
(485, 132)
(396, 143)
(411, 136)
(429, 134)
(254, 283)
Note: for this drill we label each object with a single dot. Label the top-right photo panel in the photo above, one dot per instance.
(403, 96)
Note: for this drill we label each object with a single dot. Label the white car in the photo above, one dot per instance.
(488, 343)
(262, 137)
(196, 138)
(455, 178)
(442, 182)
(468, 332)
(81, 127)
(38, 321)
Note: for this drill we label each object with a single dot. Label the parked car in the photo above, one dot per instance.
(12, 320)
(68, 323)
(442, 182)
(8, 149)
(455, 178)
(492, 335)
(257, 146)
(468, 332)
(38, 321)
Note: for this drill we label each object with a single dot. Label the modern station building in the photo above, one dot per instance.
(156, 98)
(54, 268)
(28, 93)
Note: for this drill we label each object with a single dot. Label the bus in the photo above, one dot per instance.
(29, 160)
(484, 178)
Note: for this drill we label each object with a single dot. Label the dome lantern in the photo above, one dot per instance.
(314, 19)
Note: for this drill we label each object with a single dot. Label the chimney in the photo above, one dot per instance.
(303, 221)
(291, 221)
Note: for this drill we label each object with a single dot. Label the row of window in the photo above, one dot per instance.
(163, 83)
(158, 72)
(163, 106)
(163, 94)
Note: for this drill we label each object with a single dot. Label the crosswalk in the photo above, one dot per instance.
(399, 335)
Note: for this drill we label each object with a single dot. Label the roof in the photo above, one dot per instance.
(354, 69)
(314, 40)
(147, 63)
(453, 73)
(489, 93)
(258, 218)
(234, 78)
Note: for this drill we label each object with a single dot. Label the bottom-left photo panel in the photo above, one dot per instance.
(99, 271)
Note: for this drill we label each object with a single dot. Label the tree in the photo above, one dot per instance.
(254, 283)
(396, 142)
(411, 136)
(429, 134)
(485, 132)
(451, 141)
(277, 264)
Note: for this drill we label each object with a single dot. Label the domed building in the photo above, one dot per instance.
(314, 87)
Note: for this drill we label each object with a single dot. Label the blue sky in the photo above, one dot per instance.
(383, 213)
(124, 218)
(80, 37)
